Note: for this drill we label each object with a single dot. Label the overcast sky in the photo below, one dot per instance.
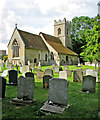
(38, 15)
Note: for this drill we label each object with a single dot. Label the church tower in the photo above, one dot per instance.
(62, 29)
(98, 8)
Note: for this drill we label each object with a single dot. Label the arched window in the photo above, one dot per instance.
(67, 31)
(66, 58)
(52, 56)
(15, 49)
(46, 57)
(59, 31)
(35, 60)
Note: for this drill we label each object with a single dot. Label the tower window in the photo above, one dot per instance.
(66, 58)
(52, 56)
(15, 49)
(59, 31)
(67, 31)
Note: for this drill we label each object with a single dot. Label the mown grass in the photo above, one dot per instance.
(82, 105)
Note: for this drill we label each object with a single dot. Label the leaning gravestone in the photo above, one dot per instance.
(25, 69)
(49, 71)
(77, 75)
(58, 91)
(2, 87)
(46, 79)
(89, 83)
(13, 77)
(92, 73)
(63, 74)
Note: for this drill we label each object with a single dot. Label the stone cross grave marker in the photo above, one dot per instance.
(13, 77)
(46, 79)
(58, 91)
(49, 71)
(2, 87)
(77, 75)
(63, 74)
(92, 73)
(25, 88)
(89, 83)
(25, 69)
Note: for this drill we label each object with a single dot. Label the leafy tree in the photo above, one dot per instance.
(91, 50)
(78, 27)
(5, 58)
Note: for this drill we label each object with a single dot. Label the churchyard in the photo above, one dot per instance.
(81, 101)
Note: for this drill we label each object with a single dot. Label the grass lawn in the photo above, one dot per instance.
(82, 105)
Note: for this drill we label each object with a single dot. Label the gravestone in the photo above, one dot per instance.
(56, 69)
(77, 75)
(53, 66)
(46, 79)
(25, 94)
(84, 72)
(13, 77)
(65, 67)
(58, 91)
(29, 63)
(63, 74)
(89, 83)
(25, 88)
(5, 73)
(10, 67)
(2, 87)
(21, 69)
(30, 74)
(39, 75)
(49, 71)
(31, 66)
(69, 73)
(25, 69)
(92, 73)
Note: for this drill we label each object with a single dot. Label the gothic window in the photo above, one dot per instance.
(59, 31)
(52, 56)
(46, 57)
(15, 49)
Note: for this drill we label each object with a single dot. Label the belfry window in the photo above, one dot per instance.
(46, 57)
(59, 31)
(15, 49)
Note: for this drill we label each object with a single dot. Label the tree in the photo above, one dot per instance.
(91, 50)
(5, 58)
(78, 27)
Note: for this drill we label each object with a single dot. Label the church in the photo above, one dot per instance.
(44, 48)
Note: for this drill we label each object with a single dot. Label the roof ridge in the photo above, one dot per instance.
(28, 32)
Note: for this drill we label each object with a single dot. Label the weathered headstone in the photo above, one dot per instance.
(65, 67)
(56, 69)
(13, 77)
(31, 66)
(5, 73)
(69, 73)
(89, 83)
(2, 87)
(77, 75)
(53, 66)
(58, 91)
(92, 73)
(46, 79)
(21, 69)
(29, 63)
(25, 88)
(10, 67)
(25, 69)
(49, 71)
(63, 74)
(39, 75)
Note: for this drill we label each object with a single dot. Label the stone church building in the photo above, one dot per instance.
(46, 49)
